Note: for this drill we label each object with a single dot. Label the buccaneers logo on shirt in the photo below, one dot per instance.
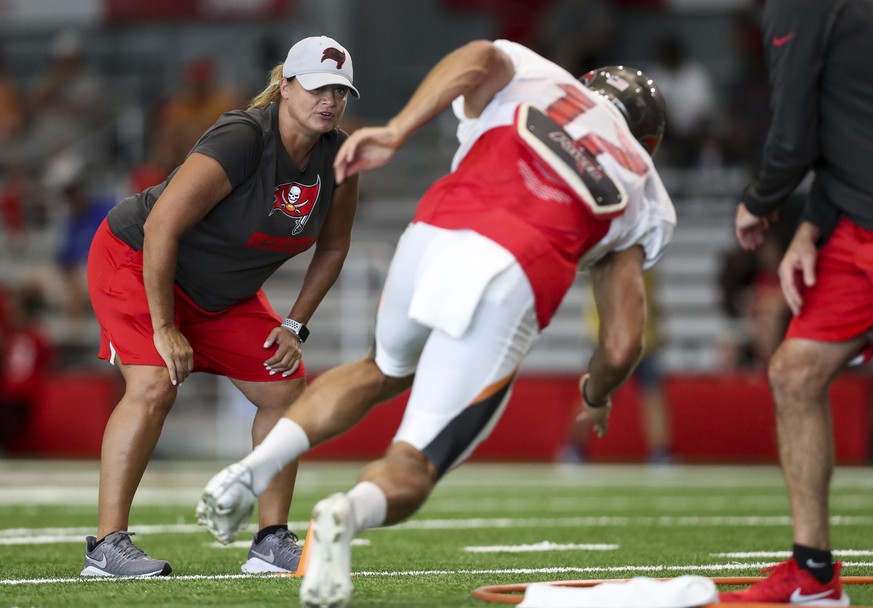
(296, 200)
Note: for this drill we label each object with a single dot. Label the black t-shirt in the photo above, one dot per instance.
(818, 54)
(275, 210)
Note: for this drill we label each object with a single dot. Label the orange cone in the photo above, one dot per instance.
(304, 557)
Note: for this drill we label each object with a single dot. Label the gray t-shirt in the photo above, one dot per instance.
(274, 211)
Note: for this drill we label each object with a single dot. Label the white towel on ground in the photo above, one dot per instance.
(640, 592)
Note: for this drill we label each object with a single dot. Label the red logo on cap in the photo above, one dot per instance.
(334, 54)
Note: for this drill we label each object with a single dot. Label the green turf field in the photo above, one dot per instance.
(485, 524)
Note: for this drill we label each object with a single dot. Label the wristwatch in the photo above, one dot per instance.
(297, 328)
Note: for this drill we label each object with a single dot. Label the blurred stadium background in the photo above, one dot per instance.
(96, 101)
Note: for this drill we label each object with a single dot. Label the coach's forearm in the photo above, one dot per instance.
(159, 271)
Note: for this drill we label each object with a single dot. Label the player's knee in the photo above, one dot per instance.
(387, 385)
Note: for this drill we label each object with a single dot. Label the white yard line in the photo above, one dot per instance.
(666, 521)
(451, 503)
(17, 536)
(539, 548)
(715, 569)
(785, 554)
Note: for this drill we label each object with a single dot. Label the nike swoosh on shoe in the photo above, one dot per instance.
(799, 598)
(266, 557)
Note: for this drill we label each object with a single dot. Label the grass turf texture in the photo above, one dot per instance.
(665, 521)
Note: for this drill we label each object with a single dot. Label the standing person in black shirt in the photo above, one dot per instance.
(822, 100)
(175, 276)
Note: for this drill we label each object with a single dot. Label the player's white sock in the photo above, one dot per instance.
(369, 505)
(286, 442)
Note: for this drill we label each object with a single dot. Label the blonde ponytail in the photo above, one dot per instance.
(271, 93)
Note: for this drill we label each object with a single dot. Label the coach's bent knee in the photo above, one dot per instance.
(151, 392)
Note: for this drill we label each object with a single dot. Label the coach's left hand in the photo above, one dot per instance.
(289, 352)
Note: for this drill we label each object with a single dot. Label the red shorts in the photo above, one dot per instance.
(840, 304)
(229, 342)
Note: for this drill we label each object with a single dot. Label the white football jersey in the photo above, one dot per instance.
(650, 218)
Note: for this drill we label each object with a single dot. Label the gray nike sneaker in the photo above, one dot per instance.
(118, 556)
(277, 552)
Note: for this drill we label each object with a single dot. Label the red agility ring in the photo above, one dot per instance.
(514, 593)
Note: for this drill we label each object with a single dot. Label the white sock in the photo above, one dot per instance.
(369, 505)
(285, 443)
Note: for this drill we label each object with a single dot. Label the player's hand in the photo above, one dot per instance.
(797, 269)
(750, 228)
(176, 351)
(597, 416)
(366, 148)
(288, 355)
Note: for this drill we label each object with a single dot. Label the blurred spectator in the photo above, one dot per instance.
(5, 320)
(514, 19)
(69, 105)
(145, 176)
(154, 170)
(83, 211)
(185, 116)
(13, 194)
(692, 110)
(12, 115)
(648, 374)
(650, 378)
(747, 105)
(12, 183)
(753, 299)
(24, 359)
(576, 33)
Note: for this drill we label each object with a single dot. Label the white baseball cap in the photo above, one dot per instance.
(318, 61)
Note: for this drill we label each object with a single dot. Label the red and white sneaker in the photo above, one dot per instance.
(789, 584)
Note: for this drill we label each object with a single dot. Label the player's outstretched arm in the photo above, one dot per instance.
(620, 298)
(476, 70)
(365, 149)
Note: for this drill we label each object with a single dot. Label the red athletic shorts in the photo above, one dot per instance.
(229, 342)
(840, 304)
